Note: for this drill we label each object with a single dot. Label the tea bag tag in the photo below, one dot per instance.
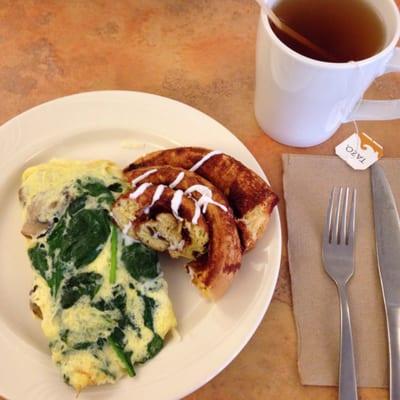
(359, 151)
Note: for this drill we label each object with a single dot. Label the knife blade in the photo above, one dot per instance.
(387, 236)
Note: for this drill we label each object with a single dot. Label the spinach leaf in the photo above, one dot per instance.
(93, 188)
(86, 283)
(100, 342)
(116, 341)
(77, 239)
(64, 335)
(77, 204)
(58, 268)
(108, 373)
(118, 301)
(78, 236)
(114, 254)
(83, 237)
(57, 276)
(66, 379)
(115, 187)
(96, 188)
(38, 258)
(140, 261)
(154, 347)
(119, 298)
(56, 235)
(149, 306)
(49, 269)
(102, 305)
(118, 336)
(82, 345)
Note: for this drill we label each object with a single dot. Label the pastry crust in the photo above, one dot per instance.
(213, 271)
(159, 228)
(250, 197)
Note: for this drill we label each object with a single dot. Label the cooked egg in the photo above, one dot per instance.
(98, 327)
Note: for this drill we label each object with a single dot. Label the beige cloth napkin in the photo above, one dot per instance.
(308, 181)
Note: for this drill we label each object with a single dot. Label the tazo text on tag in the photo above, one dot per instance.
(359, 151)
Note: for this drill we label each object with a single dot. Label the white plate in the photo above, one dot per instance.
(99, 125)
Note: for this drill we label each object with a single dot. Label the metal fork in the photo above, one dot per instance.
(338, 258)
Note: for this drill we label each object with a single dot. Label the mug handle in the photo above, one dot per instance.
(375, 110)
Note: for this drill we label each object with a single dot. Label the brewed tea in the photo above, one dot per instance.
(348, 30)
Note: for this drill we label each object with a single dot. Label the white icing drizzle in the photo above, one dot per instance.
(178, 246)
(155, 235)
(177, 180)
(197, 212)
(202, 203)
(128, 240)
(156, 196)
(139, 191)
(141, 177)
(126, 228)
(203, 190)
(208, 201)
(204, 159)
(176, 203)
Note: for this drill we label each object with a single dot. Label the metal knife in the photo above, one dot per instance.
(387, 234)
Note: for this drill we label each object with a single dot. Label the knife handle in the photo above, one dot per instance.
(393, 325)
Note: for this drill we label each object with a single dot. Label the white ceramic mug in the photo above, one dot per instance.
(301, 102)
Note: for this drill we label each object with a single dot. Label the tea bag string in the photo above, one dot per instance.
(356, 126)
(358, 133)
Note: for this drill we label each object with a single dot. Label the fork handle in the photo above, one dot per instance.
(347, 370)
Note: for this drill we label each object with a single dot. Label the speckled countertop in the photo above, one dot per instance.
(200, 52)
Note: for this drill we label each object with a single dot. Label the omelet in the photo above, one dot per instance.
(100, 295)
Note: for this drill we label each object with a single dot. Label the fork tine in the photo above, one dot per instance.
(343, 222)
(328, 221)
(336, 227)
(352, 219)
